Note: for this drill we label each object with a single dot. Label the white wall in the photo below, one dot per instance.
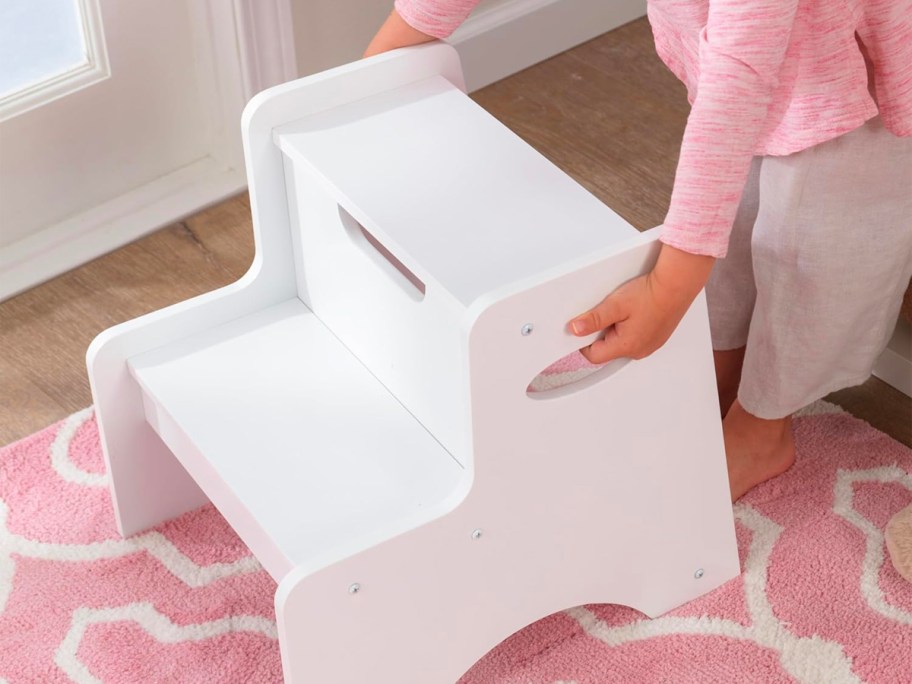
(500, 38)
(333, 32)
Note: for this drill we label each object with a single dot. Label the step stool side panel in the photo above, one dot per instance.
(556, 517)
(147, 483)
(640, 441)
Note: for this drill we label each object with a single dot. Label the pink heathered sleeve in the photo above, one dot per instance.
(438, 18)
(742, 49)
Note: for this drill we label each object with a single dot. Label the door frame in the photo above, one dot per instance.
(241, 47)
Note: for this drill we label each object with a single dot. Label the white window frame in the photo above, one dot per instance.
(95, 69)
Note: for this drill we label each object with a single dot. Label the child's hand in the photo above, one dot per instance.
(395, 33)
(641, 315)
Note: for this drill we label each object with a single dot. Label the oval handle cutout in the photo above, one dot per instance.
(398, 272)
(570, 374)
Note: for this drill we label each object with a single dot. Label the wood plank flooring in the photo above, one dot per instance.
(607, 112)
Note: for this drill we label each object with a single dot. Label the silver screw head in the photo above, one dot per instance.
(527, 329)
(354, 588)
(699, 573)
(476, 534)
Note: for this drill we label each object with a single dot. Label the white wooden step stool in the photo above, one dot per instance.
(356, 405)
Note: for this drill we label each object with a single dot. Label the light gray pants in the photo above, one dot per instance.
(819, 258)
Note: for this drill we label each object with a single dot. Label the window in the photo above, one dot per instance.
(48, 48)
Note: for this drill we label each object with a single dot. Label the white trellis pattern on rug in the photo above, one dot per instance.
(187, 603)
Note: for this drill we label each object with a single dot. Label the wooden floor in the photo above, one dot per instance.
(607, 112)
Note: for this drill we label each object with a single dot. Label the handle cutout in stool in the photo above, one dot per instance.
(398, 272)
(545, 386)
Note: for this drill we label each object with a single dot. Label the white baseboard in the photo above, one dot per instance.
(84, 237)
(515, 34)
(894, 366)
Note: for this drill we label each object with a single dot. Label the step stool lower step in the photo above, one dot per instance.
(299, 446)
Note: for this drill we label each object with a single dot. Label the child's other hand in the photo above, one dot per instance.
(641, 315)
(395, 33)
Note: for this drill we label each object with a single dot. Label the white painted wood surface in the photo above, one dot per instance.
(459, 198)
(614, 493)
(456, 197)
(614, 490)
(148, 484)
(296, 443)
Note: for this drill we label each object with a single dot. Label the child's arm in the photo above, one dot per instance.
(418, 21)
(742, 50)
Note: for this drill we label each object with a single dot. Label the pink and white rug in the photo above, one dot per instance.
(818, 601)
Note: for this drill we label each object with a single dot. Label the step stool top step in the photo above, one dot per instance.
(302, 450)
(460, 199)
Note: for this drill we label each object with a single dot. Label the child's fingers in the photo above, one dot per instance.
(605, 314)
(605, 349)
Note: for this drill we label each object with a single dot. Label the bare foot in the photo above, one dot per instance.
(757, 450)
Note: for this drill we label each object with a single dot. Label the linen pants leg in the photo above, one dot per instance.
(731, 291)
(830, 257)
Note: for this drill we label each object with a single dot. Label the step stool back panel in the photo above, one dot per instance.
(423, 177)
(409, 340)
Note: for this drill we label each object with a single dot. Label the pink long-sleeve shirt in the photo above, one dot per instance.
(764, 77)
